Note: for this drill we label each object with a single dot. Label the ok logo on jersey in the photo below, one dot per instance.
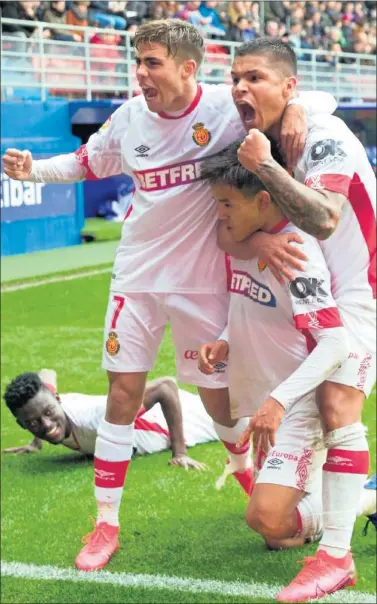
(305, 287)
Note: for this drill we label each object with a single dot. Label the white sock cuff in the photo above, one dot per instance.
(119, 435)
(231, 435)
(346, 436)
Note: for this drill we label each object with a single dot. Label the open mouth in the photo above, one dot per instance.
(247, 113)
(53, 434)
(149, 93)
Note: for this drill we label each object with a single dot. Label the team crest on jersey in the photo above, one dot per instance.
(201, 135)
(112, 344)
(261, 266)
(105, 125)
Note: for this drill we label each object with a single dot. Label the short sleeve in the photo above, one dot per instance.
(101, 155)
(329, 161)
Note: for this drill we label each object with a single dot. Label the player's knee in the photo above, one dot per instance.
(267, 521)
(124, 401)
(339, 405)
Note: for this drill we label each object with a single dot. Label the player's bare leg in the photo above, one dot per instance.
(111, 460)
(286, 517)
(344, 475)
(217, 404)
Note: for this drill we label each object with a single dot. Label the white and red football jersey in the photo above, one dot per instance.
(151, 434)
(168, 241)
(269, 325)
(334, 159)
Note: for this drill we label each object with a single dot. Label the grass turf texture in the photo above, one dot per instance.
(173, 522)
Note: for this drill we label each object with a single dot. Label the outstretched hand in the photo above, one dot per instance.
(184, 461)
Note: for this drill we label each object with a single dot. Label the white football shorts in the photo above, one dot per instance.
(299, 453)
(135, 324)
(359, 370)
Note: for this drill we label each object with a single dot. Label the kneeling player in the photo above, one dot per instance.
(170, 417)
(284, 342)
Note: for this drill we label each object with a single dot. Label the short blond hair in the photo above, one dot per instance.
(179, 37)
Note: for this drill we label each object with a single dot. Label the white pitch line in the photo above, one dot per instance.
(236, 588)
(57, 279)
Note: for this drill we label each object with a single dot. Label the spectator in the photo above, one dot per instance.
(236, 10)
(359, 13)
(276, 11)
(296, 40)
(318, 31)
(334, 36)
(101, 14)
(242, 32)
(56, 14)
(104, 46)
(23, 11)
(208, 11)
(272, 29)
(334, 60)
(78, 15)
(140, 8)
(192, 14)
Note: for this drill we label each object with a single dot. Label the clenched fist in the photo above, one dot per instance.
(17, 164)
(255, 150)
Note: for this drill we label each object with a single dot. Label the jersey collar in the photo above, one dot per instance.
(279, 226)
(189, 109)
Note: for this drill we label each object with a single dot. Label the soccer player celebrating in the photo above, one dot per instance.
(333, 193)
(169, 418)
(276, 382)
(168, 266)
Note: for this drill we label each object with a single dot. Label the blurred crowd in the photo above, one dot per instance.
(332, 26)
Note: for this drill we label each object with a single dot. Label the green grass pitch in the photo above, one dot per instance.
(174, 522)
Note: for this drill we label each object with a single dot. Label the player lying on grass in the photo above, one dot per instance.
(169, 418)
(283, 342)
(168, 267)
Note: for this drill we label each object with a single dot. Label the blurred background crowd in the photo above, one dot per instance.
(340, 27)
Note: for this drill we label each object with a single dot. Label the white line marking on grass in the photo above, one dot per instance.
(57, 279)
(236, 588)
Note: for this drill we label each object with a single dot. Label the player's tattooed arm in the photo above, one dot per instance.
(315, 212)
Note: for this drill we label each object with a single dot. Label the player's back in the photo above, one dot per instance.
(334, 159)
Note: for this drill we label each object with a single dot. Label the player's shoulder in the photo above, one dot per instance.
(328, 127)
(310, 245)
(130, 109)
(218, 98)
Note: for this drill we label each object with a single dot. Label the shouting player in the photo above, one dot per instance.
(169, 418)
(333, 194)
(168, 266)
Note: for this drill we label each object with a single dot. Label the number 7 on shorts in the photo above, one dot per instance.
(119, 303)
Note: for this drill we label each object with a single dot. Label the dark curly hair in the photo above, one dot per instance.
(21, 390)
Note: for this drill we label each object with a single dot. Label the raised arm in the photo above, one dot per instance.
(100, 157)
(165, 391)
(315, 211)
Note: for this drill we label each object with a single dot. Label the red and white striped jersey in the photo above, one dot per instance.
(151, 434)
(334, 159)
(270, 325)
